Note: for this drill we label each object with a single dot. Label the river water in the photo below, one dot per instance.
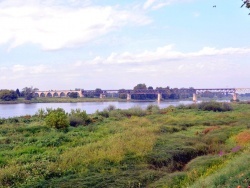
(13, 110)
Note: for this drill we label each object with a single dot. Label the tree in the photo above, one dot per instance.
(139, 96)
(29, 92)
(73, 95)
(8, 95)
(18, 92)
(246, 3)
(140, 86)
(57, 119)
(98, 91)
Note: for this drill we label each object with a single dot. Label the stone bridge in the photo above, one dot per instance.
(57, 93)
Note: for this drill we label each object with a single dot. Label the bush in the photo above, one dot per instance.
(25, 119)
(104, 113)
(57, 119)
(110, 108)
(154, 109)
(41, 113)
(135, 111)
(116, 114)
(2, 121)
(78, 117)
(214, 106)
(13, 120)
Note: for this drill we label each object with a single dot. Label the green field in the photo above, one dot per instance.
(185, 146)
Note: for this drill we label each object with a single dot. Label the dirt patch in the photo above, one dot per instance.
(243, 138)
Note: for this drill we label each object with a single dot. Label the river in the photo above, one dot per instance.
(13, 110)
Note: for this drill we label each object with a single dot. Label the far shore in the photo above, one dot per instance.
(80, 100)
(61, 100)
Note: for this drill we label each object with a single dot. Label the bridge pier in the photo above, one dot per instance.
(194, 97)
(234, 97)
(128, 96)
(159, 97)
(101, 95)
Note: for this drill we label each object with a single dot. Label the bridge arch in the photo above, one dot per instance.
(49, 95)
(55, 94)
(62, 94)
(42, 94)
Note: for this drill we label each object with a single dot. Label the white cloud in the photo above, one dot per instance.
(148, 3)
(56, 27)
(157, 4)
(208, 67)
(167, 53)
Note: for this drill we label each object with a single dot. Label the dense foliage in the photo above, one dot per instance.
(184, 146)
(57, 119)
(73, 95)
(8, 95)
(78, 117)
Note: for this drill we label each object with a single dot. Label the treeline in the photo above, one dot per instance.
(10, 95)
(168, 93)
(27, 93)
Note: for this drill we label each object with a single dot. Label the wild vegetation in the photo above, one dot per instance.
(200, 145)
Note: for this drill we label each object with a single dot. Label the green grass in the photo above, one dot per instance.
(173, 147)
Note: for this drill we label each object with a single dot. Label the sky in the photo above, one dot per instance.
(115, 44)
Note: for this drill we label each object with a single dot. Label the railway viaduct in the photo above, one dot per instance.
(129, 92)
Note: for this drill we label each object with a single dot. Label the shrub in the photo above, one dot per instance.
(135, 111)
(214, 106)
(26, 119)
(154, 109)
(75, 121)
(226, 107)
(116, 114)
(57, 119)
(13, 120)
(41, 113)
(104, 113)
(78, 117)
(2, 121)
(110, 108)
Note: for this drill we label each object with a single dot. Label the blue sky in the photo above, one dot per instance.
(114, 44)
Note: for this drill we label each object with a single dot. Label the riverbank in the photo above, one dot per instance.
(61, 100)
(171, 147)
(80, 100)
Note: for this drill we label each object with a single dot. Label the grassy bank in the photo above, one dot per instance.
(185, 146)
